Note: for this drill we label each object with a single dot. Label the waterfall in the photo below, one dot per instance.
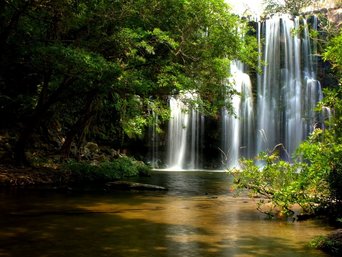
(279, 109)
(154, 141)
(238, 128)
(287, 89)
(184, 135)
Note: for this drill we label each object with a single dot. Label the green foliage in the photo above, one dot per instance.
(329, 144)
(333, 53)
(332, 138)
(120, 168)
(312, 181)
(330, 245)
(281, 185)
(97, 67)
(293, 7)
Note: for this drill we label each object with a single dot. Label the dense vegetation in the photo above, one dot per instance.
(74, 72)
(294, 7)
(313, 180)
(78, 71)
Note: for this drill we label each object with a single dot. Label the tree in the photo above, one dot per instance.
(76, 62)
(293, 7)
(333, 53)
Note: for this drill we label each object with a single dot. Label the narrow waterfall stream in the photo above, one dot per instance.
(238, 128)
(184, 135)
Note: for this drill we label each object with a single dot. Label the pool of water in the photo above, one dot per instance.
(198, 216)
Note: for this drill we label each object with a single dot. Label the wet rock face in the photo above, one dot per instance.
(335, 17)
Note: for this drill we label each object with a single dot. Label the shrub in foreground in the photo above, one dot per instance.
(281, 186)
(313, 180)
(122, 167)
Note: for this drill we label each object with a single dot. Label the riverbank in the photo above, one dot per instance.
(73, 172)
(30, 176)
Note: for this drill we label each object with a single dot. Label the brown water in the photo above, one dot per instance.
(197, 217)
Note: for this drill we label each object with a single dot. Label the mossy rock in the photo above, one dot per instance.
(331, 244)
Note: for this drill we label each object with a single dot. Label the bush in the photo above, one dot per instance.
(120, 168)
(314, 178)
(331, 244)
(280, 185)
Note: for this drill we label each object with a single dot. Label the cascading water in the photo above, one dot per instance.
(154, 140)
(287, 89)
(184, 135)
(238, 130)
(286, 93)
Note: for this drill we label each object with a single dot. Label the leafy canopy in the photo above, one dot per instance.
(98, 68)
(293, 7)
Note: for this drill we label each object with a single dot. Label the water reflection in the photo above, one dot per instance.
(196, 217)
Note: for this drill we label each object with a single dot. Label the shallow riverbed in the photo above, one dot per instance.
(198, 216)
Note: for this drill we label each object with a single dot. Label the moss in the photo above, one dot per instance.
(331, 243)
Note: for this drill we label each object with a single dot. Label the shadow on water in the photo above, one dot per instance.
(108, 235)
(146, 224)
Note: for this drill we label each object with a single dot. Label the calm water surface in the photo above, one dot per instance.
(197, 217)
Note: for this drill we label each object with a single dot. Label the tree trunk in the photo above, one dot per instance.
(13, 23)
(39, 114)
(81, 124)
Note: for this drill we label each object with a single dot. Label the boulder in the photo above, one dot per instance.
(128, 185)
